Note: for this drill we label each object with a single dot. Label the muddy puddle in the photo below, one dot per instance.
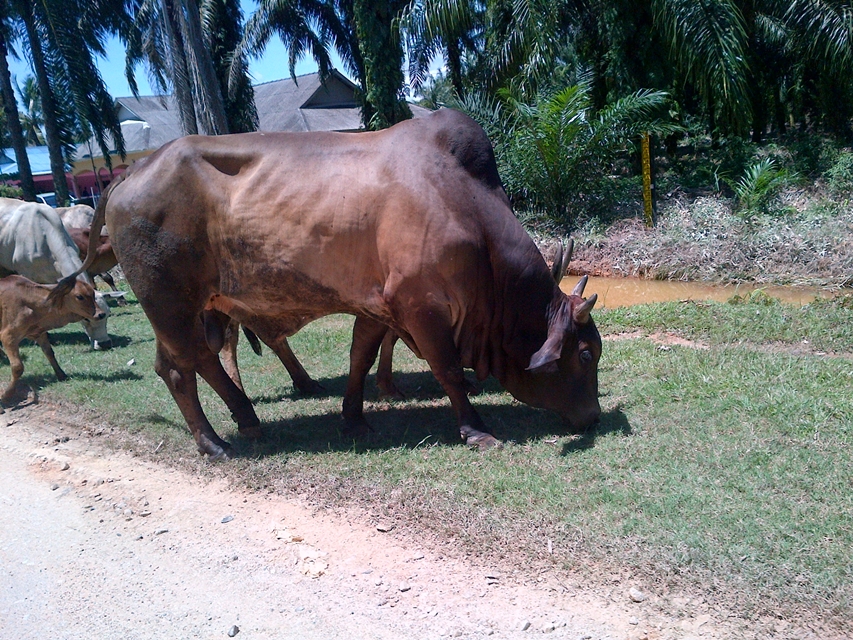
(624, 292)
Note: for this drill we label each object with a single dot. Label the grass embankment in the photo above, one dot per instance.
(724, 467)
(806, 240)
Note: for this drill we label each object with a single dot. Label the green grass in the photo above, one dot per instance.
(727, 470)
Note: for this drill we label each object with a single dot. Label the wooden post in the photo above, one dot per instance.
(648, 197)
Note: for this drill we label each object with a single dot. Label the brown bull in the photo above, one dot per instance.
(407, 228)
(30, 310)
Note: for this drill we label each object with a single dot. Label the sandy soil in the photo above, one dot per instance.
(99, 544)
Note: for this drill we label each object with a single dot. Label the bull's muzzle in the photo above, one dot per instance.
(581, 421)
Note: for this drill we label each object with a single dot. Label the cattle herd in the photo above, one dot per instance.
(408, 229)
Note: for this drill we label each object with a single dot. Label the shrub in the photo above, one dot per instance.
(556, 154)
(839, 177)
(10, 191)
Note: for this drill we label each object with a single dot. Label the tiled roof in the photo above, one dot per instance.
(303, 104)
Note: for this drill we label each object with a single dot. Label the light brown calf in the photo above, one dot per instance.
(30, 310)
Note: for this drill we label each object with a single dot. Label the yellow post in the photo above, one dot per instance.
(648, 204)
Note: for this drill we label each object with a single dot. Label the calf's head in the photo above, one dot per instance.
(80, 301)
(80, 298)
(563, 374)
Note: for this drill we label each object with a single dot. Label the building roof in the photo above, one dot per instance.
(300, 104)
(39, 161)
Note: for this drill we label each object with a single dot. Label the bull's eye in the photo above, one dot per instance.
(79, 297)
(586, 356)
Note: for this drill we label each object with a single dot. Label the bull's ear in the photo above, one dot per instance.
(545, 359)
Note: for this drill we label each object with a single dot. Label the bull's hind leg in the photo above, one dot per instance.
(384, 372)
(432, 332)
(367, 336)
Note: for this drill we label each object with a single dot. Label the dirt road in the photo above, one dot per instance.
(98, 544)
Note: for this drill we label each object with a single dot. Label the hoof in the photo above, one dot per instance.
(61, 377)
(310, 388)
(391, 393)
(483, 441)
(356, 428)
(214, 451)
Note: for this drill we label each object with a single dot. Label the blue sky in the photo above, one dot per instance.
(271, 66)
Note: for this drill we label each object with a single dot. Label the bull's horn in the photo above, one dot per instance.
(562, 260)
(558, 260)
(580, 286)
(581, 312)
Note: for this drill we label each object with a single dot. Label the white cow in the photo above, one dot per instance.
(34, 244)
(78, 216)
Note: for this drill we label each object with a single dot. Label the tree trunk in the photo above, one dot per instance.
(382, 51)
(51, 126)
(179, 75)
(210, 108)
(19, 143)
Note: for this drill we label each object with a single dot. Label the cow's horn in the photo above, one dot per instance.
(580, 286)
(558, 260)
(562, 260)
(581, 312)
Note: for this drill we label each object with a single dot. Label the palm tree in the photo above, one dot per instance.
(32, 119)
(10, 110)
(222, 22)
(189, 49)
(62, 37)
(447, 27)
(364, 34)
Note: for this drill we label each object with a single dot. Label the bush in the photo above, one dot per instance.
(556, 154)
(760, 182)
(10, 191)
(839, 177)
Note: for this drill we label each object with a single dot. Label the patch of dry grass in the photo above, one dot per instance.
(807, 241)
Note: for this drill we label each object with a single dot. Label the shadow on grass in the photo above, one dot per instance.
(58, 338)
(416, 386)
(614, 421)
(156, 418)
(400, 425)
(39, 381)
(115, 376)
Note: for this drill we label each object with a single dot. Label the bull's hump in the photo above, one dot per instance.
(465, 140)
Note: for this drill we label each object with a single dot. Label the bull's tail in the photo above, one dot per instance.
(67, 283)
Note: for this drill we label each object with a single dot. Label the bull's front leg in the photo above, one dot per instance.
(304, 383)
(243, 413)
(367, 336)
(432, 332)
(182, 384)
